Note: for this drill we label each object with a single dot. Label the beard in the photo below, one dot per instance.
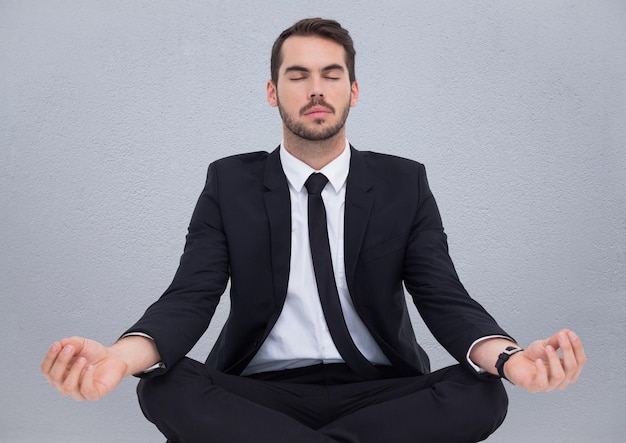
(318, 133)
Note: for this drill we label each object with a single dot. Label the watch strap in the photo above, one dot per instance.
(504, 357)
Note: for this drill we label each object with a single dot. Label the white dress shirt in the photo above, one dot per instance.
(300, 336)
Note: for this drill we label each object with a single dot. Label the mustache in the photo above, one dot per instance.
(317, 101)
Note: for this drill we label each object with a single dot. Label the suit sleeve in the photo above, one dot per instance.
(182, 314)
(453, 317)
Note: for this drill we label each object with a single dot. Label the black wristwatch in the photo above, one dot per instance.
(504, 357)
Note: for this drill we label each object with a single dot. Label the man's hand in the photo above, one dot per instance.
(539, 368)
(82, 368)
(86, 370)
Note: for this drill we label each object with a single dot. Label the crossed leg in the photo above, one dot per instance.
(193, 404)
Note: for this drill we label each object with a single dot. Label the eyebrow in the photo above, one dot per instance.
(297, 68)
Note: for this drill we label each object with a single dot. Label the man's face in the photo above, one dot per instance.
(313, 93)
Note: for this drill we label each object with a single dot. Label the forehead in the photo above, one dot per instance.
(312, 52)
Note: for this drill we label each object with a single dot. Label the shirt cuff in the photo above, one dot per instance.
(477, 368)
(159, 365)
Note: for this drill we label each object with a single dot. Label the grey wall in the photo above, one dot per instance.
(110, 112)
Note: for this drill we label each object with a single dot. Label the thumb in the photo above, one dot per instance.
(554, 340)
(537, 349)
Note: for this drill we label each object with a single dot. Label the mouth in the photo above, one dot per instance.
(317, 112)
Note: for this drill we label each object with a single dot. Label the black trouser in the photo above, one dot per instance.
(325, 403)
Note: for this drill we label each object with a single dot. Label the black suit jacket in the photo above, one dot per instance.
(241, 229)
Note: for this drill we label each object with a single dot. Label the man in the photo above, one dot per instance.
(317, 240)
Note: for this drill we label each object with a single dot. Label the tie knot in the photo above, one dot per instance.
(315, 183)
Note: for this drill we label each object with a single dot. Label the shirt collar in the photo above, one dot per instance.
(298, 172)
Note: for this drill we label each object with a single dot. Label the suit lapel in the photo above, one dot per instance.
(359, 201)
(278, 209)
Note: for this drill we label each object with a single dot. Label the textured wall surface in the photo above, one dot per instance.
(110, 112)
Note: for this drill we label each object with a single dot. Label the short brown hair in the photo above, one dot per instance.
(328, 29)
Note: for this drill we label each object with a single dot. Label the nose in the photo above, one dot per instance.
(316, 89)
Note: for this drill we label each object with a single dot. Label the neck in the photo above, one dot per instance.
(315, 153)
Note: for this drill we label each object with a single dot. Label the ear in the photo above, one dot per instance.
(272, 96)
(354, 92)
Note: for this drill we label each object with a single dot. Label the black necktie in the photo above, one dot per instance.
(325, 278)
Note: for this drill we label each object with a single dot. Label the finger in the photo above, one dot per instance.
(579, 353)
(87, 387)
(541, 377)
(60, 367)
(77, 343)
(72, 380)
(569, 362)
(554, 340)
(50, 358)
(556, 374)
